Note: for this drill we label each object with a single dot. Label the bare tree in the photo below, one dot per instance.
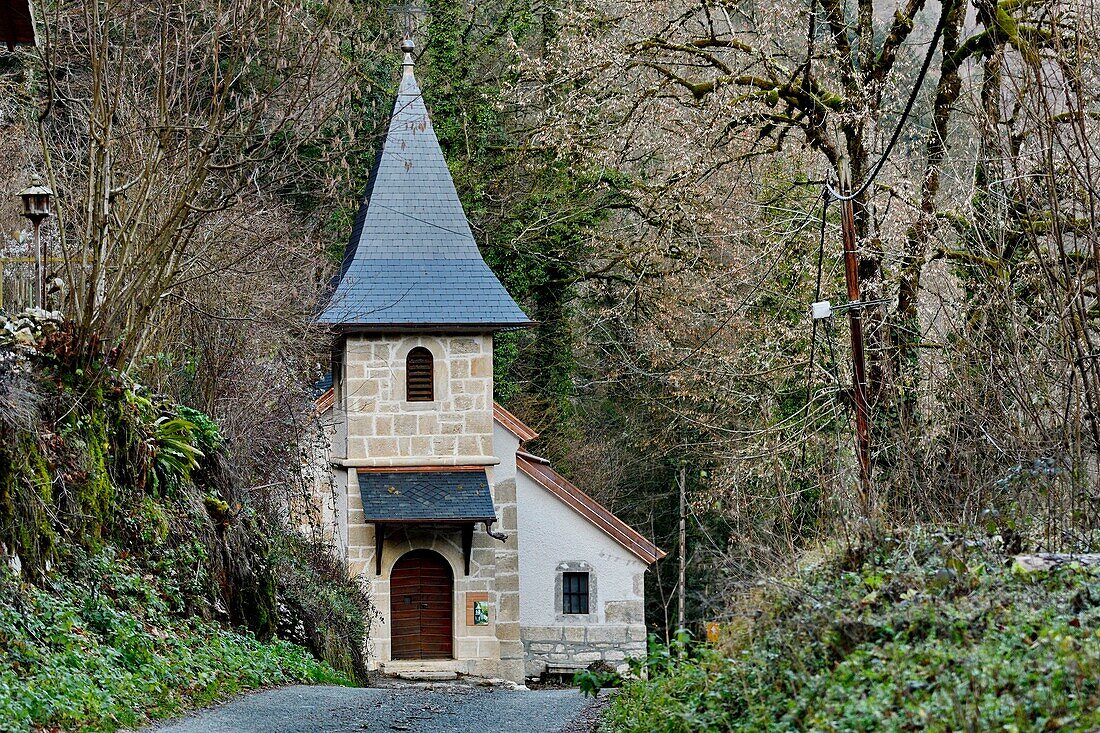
(170, 131)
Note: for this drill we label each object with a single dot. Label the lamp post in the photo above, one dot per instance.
(36, 207)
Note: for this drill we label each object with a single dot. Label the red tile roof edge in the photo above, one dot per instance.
(513, 424)
(590, 509)
(326, 400)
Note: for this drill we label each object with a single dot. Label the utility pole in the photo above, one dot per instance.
(855, 323)
(682, 585)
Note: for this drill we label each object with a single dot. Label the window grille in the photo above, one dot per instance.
(574, 593)
(419, 376)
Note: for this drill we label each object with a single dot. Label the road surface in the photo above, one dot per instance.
(414, 707)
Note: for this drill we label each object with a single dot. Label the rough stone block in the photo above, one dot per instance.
(542, 633)
(365, 405)
(624, 612)
(383, 425)
(575, 633)
(482, 366)
(608, 634)
(507, 563)
(361, 425)
(465, 346)
(508, 605)
(360, 535)
(504, 492)
(479, 421)
(381, 447)
(358, 346)
(468, 446)
(508, 631)
(443, 445)
(405, 425)
(427, 424)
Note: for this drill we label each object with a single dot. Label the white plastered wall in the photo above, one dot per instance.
(553, 539)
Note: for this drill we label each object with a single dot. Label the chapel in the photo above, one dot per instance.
(480, 557)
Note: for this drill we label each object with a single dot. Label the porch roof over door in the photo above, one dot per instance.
(425, 496)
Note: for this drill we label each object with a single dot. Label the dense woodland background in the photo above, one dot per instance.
(646, 178)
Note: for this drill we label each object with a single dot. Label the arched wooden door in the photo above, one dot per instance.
(421, 607)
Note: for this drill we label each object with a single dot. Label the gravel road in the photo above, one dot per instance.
(413, 707)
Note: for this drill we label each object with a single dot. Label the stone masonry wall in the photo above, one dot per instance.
(384, 429)
(506, 573)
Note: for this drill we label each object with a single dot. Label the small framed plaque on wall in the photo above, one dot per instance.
(477, 609)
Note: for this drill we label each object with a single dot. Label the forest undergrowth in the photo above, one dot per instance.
(920, 630)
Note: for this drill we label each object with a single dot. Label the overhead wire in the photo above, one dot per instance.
(948, 7)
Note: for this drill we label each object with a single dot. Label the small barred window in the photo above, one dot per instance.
(574, 592)
(419, 376)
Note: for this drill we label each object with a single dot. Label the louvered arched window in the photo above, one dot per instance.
(419, 376)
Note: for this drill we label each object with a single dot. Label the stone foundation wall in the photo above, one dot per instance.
(579, 646)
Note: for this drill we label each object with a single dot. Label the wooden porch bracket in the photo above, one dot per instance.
(379, 540)
(467, 545)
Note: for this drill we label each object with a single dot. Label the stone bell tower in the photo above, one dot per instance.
(413, 318)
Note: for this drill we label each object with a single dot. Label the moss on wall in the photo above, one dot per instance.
(26, 500)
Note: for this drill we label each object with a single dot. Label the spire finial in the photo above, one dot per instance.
(407, 46)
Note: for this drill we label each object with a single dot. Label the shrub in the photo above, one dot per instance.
(920, 632)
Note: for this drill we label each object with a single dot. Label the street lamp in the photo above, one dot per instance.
(36, 207)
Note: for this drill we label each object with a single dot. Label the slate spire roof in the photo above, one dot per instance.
(412, 262)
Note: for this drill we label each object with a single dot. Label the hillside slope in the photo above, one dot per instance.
(140, 576)
(918, 632)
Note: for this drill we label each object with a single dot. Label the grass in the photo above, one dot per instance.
(97, 647)
(919, 632)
